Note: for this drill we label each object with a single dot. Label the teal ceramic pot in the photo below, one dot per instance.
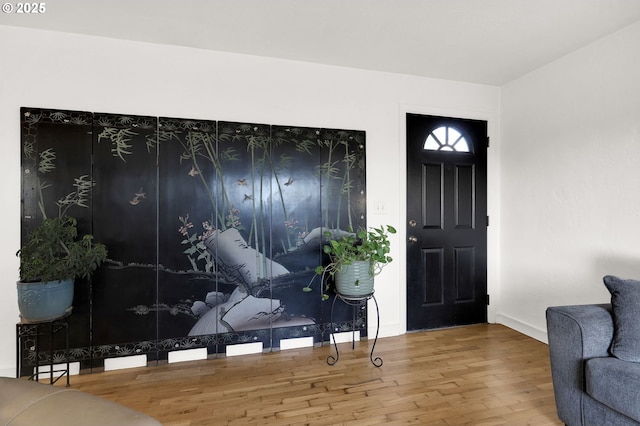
(44, 301)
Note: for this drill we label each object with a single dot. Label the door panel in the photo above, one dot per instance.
(464, 273)
(432, 196)
(446, 213)
(464, 196)
(433, 261)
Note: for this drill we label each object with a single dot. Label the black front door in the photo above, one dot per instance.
(447, 222)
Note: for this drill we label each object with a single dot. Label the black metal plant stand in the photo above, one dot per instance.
(32, 332)
(355, 302)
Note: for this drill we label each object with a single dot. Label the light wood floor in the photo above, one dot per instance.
(476, 375)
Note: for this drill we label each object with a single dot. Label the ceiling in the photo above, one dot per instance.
(480, 41)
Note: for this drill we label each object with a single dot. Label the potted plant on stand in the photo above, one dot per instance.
(50, 260)
(356, 259)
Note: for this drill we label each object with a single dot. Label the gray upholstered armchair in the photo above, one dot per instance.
(591, 386)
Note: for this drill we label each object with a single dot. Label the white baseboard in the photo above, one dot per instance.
(8, 372)
(295, 343)
(187, 355)
(386, 331)
(244, 349)
(523, 328)
(345, 337)
(125, 362)
(74, 369)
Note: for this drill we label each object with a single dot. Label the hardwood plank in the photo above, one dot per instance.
(477, 375)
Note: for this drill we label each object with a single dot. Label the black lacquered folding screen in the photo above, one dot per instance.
(213, 228)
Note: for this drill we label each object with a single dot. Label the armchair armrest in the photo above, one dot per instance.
(576, 334)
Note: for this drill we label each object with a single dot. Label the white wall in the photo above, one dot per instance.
(570, 178)
(54, 70)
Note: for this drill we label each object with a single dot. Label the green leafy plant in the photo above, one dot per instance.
(53, 252)
(371, 245)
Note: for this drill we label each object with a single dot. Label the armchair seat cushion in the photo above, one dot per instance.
(614, 383)
(27, 403)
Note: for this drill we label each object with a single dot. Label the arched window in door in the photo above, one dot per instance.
(446, 139)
